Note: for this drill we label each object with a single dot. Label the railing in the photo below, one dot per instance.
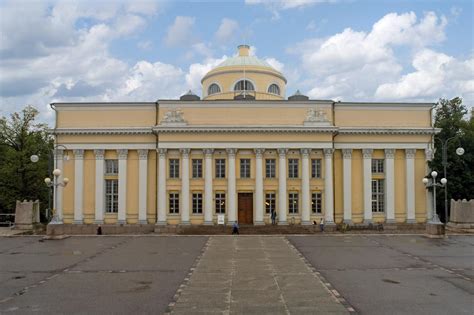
(6, 222)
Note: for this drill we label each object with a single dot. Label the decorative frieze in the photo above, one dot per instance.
(315, 117)
(174, 117)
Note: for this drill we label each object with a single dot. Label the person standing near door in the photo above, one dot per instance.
(235, 228)
(273, 216)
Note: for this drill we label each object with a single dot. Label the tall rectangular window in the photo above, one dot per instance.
(111, 195)
(316, 202)
(220, 203)
(244, 168)
(197, 203)
(377, 165)
(270, 168)
(293, 168)
(174, 203)
(111, 167)
(293, 202)
(174, 168)
(220, 168)
(378, 195)
(197, 168)
(316, 168)
(270, 202)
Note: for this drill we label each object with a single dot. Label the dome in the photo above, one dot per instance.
(243, 74)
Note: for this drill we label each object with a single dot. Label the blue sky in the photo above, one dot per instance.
(403, 51)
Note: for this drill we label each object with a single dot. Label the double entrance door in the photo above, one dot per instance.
(245, 208)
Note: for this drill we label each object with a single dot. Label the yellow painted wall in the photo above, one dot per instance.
(111, 117)
(107, 139)
(382, 138)
(382, 118)
(250, 137)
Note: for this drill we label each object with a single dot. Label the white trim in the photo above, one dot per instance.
(386, 145)
(246, 145)
(380, 105)
(243, 104)
(388, 131)
(271, 83)
(207, 89)
(243, 129)
(102, 131)
(242, 79)
(110, 146)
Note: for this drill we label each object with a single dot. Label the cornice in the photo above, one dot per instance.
(244, 129)
(102, 131)
(387, 131)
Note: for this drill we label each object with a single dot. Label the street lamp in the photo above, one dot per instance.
(434, 184)
(54, 184)
(459, 151)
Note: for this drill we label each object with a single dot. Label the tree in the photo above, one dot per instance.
(21, 137)
(450, 117)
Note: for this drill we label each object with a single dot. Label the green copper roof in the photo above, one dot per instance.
(244, 61)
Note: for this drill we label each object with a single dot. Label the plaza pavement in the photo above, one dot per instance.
(313, 274)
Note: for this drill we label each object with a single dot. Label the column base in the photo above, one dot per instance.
(208, 223)
(99, 222)
(368, 221)
(185, 223)
(142, 222)
(282, 223)
(78, 222)
(121, 222)
(329, 223)
(306, 223)
(347, 221)
(259, 223)
(391, 221)
(411, 221)
(161, 223)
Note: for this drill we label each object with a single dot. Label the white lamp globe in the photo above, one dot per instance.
(34, 158)
(65, 180)
(425, 181)
(57, 172)
(434, 174)
(443, 181)
(47, 180)
(459, 151)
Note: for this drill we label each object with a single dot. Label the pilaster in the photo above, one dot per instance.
(328, 187)
(347, 184)
(305, 198)
(390, 185)
(142, 185)
(208, 190)
(122, 186)
(259, 186)
(367, 161)
(99, 186)
(161, 206)
(185, 186)
(282, 193)
(78, 186)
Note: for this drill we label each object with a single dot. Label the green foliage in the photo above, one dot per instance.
(450, 116)
(21, 137)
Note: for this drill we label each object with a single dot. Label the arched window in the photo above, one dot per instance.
(274, 89)
(244, 85)
(213, 89)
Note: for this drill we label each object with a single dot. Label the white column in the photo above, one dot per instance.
(99, 186)
(208, 204)
(231, 183)
(282, 194)
(142, 185)
(390, 185)
(58, 190)
(259, 186)
(122, 186)
(305, 195)
(185, 186)
(367, 157)
(328, 187)
(347, 184)
(429, 195)
(410, 184)
(78, 186)
(161, 206)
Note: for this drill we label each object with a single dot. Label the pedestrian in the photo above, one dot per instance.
(235, 228)
(321, 225)
(273, 215)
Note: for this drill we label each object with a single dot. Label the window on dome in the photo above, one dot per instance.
(274, 89)
(244, 85)
(213, 89)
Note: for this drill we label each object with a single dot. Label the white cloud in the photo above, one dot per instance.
(198, 70)
(181, 31)
(227, 30)
(275, 64)
(356, 65)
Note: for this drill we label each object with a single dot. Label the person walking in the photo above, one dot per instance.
(235, 228)
(273, 216)
(321, 225)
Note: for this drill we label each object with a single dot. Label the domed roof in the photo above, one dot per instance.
(244, 61)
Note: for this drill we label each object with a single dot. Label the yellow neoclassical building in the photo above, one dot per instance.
(244, 150)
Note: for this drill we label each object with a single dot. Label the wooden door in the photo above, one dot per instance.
(245, 208)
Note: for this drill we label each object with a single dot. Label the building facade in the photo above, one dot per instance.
(243, 151)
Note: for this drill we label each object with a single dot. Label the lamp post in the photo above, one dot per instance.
(434, 184)
(459, 151)
(54, 184)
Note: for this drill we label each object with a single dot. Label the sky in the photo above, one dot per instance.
(143, 50)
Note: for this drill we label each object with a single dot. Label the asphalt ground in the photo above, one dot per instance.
(94, 275)
(382, 274)
(375, 274)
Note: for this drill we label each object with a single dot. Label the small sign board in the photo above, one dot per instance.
(220, 219)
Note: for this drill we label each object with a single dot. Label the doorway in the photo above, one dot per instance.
(245, 208)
